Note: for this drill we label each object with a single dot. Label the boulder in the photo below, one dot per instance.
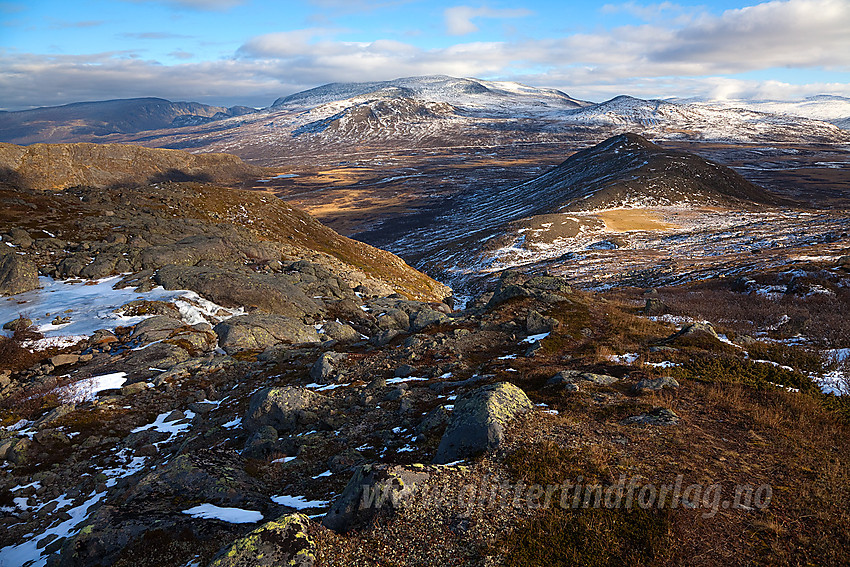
(157, 328)
(259, 331)
(695, 329)
(64, 359)
(648, 385)
(393, 319)
(479, 421)
(340, 332)
(324, 369)
(569, 377)
(373, 489)
(536, 324)
(282, 408)
(425, 318)
(21, 323)
(284, 541)
(17, 274)
(658, 416)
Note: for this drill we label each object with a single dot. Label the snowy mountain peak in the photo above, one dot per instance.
(434, 88)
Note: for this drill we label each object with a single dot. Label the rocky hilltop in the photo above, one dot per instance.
(484, 228)
(210, 377)
(630, 171)
(58, 166)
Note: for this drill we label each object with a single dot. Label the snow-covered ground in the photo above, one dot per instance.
(93, 305)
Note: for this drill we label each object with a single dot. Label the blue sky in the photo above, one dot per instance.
(252, 51)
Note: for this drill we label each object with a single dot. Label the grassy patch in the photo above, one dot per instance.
(592, 537)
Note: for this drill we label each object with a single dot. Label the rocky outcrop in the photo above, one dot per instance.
(259, 331)
(479, 421)
(269, 293)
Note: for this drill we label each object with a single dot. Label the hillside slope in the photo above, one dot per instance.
(57, 166)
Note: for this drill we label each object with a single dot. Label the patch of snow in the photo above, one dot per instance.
(534, 338)
(299, 502)
(231, 515)
(628, 358)
(173, 428)
(86, 390)
(405, 379)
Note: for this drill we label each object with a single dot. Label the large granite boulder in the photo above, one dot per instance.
(259, 331)
(479, 420)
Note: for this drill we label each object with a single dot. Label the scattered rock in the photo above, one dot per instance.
(479, 420)
(658, 416)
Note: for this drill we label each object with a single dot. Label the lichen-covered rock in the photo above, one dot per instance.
(569, 377)
(648, 385)
(479, 420)
(259, 331)
(17, 274)
(282, 408)
(372, 489)
(282, 542)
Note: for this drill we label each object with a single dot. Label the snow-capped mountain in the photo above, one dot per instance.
(321, 125)
(828, 108)
(467, 94)
(670, 120)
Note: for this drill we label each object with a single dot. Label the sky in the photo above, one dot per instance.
(250, 52)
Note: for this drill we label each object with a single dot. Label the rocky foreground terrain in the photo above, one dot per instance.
(247, 375)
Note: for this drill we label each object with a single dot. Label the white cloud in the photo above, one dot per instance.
(458, 19)
(686, 60)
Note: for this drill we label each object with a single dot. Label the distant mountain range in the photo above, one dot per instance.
(91, 121)
(415, 112)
